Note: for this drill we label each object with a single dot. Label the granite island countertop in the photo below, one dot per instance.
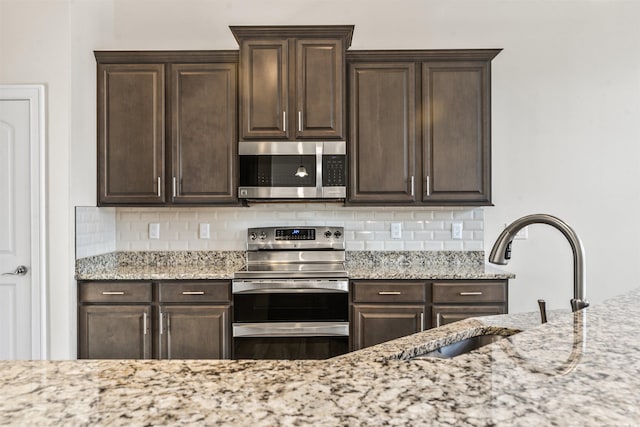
(578, 369)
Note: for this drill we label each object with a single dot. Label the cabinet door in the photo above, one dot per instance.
(444, 314)
(373, 324)
(319, 89)
(130, 133)
(114, 332)
(264, 88)
(203, 140)
(382, 133)
(456, 132)
(194, 332)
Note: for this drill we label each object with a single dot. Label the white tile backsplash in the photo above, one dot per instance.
(366, 228)
(95, 231)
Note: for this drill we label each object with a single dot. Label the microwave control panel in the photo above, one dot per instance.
(334, 170)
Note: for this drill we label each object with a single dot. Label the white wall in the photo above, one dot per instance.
(565, 110)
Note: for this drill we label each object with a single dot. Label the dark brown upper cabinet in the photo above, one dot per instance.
(382, 137)
(131, 133)
(203, 140)
(167, 128)
(420, 127)
(292, 81)
(456, 134)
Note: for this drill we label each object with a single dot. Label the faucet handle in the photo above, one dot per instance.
(578, 304)
(543, 310)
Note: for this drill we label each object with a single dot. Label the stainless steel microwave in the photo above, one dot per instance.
(292, 170)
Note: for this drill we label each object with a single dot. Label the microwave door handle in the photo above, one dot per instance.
(319, 153)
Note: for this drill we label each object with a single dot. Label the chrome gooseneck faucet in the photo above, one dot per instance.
(501, 253)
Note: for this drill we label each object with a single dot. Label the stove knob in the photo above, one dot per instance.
(327, 234)
(337, 234)
(253, 236)
(263, 235)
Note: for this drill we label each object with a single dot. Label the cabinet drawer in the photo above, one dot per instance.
(444, 314)
(195, 291)
(374, 291)
(116, 292)
(470, 292)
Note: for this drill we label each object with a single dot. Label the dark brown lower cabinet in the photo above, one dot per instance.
(114, 332)
(455, 300)
(374, 324)
(382, 310)
(194, 332)
(163, 320)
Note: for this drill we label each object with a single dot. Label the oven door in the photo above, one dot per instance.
(290, 319)
(292, 341)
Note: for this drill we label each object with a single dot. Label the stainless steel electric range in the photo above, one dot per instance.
(291, 301)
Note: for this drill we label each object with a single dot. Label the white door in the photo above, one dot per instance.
(21, 308)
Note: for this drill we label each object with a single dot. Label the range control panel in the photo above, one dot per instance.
(295, 234)
(274, 238)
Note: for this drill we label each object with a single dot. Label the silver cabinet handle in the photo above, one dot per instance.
(413, 185)
(144, 323)
(193, 293)
(174, 187)
(428, 189)
(159, 185)
(464, 294)
(438, 318)
(161, 328)
(422, 321)
(299, 121)
(112, 292)
(20, 270)
(389, 293)
(284, 121)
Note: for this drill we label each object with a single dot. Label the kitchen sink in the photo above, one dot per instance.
(461, 347)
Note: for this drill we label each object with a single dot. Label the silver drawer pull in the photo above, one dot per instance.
(389, 293)
(112, 293)
(464, 294)
(193, 293)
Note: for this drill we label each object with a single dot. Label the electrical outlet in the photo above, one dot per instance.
(396, 230)
(154, 230)
(204, 231)
(456, 230)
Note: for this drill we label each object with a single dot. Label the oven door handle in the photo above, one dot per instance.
(262, 287)
(286, 329)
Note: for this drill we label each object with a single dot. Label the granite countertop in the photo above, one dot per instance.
(214, 265)
(158, 265)
(426, 272)
(161, 272)
(579, 369)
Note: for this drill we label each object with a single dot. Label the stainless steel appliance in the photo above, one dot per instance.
(291, 301)
(292, 170)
